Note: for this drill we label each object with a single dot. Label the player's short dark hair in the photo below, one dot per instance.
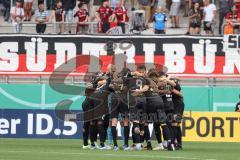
(161, 73)
(153, 73)
(40, 2)
(141, 67)
(124, 72)
(80, 5)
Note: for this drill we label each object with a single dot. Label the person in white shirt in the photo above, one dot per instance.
(174, 12)
(17, 16)
(209, 17)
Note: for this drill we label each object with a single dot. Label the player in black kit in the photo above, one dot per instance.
(178, 112)
(100, 112)
(166, 91)
(138, 86)
(119, 106)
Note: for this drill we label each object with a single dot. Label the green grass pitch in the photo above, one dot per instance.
(42, 149)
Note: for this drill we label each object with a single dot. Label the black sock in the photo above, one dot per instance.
(92, 132)
(114, 134)
(166, 133)
(146, 134)
(126, 134)
(85, 133)
(101, 134)
(106, 125)
(175, 133)
(133, 136)
(158, 133)
(179, 136)
(141, 138)
(95, 134)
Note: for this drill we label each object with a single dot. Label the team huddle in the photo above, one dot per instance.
(135, 99)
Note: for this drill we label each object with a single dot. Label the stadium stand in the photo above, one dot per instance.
(223, 9)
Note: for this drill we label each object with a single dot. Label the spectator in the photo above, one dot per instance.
(146, 6)
(7, 5)
(187, 7)
(153, 8)
(195, 18)
(41, 18)
(50, 4)
(82, 15)
(225, 7)
(28, 9)
(120, 13)
(104, 15)
(238, 106)
(160, 21)
(94, 7)
(113, 3)
(174, 12)
(59, 15)
(209, 17)
(168, 4)
(86, 4)
(17, 16)
(69, 5)
(232, 18)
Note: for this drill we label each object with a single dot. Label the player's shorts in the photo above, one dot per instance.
(170, 116)
(100, 105)
(118, 105)
(105, 27)
(137, 108)
(155, 108)
(178, 112)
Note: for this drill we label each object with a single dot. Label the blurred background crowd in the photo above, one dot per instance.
(193, 17)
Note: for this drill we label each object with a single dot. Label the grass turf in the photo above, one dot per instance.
(42, 149)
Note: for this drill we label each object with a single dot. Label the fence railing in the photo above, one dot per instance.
(229, 82)
(54, 27)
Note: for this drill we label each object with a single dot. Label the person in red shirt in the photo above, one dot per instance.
(82, 15)
(232, 18)
(120, 13)
(104, 16)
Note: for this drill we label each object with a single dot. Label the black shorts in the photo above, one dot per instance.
(100, 105)
(137, 108)
(159, 31)
(178, 112)
(87, 107)
(118, 105)
(105, 27)
(170, 116)
(155, 109)
(206, 27)
(195, 25)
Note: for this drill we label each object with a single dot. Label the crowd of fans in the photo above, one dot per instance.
(116, 13)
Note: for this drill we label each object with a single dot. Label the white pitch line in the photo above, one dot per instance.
(112, 155)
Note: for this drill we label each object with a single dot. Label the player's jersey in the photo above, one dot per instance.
(81, 15)
(105, 13)
(153, 88)
(168, 100)
(177, 100)
(120, 12)
(136, 83)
